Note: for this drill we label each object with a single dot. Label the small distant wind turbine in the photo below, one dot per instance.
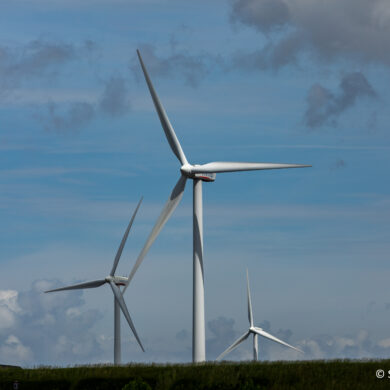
(115, 283)
(255, 331)
(198, 173)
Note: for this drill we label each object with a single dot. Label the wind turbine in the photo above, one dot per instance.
(198, 173)
(255, 331)
(115, 283)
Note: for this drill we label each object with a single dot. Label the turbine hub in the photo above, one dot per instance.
(186, 169)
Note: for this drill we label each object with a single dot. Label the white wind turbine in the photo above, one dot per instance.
(115, 283)
(255, 331)
(197, 173)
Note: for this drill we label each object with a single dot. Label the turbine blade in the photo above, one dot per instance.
(123, 242)
(122, 304)
(234, 345)
(220, 167)
(250, 313)
(168, 129)
(167, 211)
(265, 334)
(93, 284)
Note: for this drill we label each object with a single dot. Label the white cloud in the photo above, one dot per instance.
(9, 298)
(385, 343)
(13, 351)
(8, 308)
(46, 328)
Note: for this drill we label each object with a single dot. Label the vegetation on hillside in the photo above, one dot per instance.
(332, 375)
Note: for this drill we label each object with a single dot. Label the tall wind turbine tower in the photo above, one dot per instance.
(115, 282)
(199, 174)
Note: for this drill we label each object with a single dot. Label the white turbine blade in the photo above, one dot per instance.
(167, 211)
(234, 345)
(123, 242)
(93, 284)
(122, 304)
(250, 313)
(265, 334)
(220, 167)
(168, 129)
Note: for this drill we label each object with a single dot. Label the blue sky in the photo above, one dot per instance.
(241, 80)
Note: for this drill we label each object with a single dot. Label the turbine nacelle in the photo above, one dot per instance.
(117, 280)
(205, 176)
(188, 171)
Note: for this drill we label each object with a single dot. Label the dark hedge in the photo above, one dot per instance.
(327, 375)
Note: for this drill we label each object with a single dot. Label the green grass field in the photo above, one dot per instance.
(340, 374)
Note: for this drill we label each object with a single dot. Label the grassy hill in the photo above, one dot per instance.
(332, 375)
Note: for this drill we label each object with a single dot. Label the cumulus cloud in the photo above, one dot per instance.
(265, 15)
(114, 100)
(223, 334)
(324, 106)
(324, 346)
(38, 59)
(46, 328)
(357, 345)
(41, 60)
(327, 31)
(68, 117)
(8, 307)
(270, 56)
(14, 351)
(58, 329)
(178, 62)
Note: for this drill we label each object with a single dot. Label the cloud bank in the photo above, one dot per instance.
(323, 346)
(38, 328)
(38, 59)
(56, 329)
(42, 60)
(113, 102)
(355, 30)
